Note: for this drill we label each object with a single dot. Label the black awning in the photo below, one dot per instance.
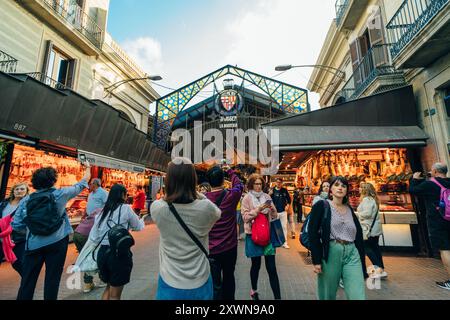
(384, 120)
(30, 108)
(346, 137)
(392, 108)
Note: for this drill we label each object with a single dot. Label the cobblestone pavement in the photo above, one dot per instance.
(409, 277)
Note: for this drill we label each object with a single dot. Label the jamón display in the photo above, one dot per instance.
(387, 169)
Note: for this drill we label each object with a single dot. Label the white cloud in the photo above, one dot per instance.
(146, 52)
(280, 32)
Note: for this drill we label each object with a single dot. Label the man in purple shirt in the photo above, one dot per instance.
(222, 237)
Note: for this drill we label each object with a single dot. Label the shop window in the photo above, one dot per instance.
(58, 67)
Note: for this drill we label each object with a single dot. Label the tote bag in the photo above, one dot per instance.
(85, 261)
(276, 233)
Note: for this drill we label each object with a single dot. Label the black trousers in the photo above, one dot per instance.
(298, 209)
(54, 257)
(373, 251)
(222, 273)
(271, 270)
(19, 250)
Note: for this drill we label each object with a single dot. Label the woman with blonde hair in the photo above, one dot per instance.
(12, 243)
(369, 217)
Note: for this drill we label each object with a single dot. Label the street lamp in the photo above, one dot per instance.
(114, 86)
(286, 67)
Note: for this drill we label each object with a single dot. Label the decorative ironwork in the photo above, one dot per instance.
(288, 98)
(341, 8)
(8, 64)
(46, 80)
(374, 64)
(74, 14)
(409, 20)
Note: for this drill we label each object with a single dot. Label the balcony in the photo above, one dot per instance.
(47, 81)
(373, 75)
(8, 64)
(420, 32)
(70, 20)
(348, 13)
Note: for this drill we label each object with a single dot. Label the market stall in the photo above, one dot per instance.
(375, 139)
(386, 168)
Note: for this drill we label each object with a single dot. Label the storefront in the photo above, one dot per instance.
(41, 126)
(379, 145)
(26, 159)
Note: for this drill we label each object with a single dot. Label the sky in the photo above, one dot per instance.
(184, 40)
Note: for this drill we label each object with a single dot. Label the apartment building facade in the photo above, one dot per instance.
(379, 45)
(64, 43)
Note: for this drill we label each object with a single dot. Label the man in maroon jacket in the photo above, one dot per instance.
(222, 237)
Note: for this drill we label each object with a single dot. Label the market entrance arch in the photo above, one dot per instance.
(285, 98)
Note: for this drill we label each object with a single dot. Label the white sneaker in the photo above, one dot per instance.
(286, 246)
(101, 284)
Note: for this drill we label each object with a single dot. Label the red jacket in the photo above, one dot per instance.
(139, 201)
(5, 234)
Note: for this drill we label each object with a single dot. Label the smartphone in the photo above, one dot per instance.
(268, 202)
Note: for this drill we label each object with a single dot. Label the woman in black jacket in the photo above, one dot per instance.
(337, 245)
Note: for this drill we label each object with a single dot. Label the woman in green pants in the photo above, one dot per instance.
(337, 246)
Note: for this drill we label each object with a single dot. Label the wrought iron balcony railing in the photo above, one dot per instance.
(341, 8)
(8, 64)
(375, 63)
(74, 14)
(46, 80)
(409, 20)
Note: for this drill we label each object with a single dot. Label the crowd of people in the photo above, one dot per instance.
(200, 227)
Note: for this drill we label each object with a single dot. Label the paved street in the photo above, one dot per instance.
(409, 277)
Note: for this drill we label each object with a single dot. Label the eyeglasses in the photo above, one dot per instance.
(258, 184)
(20, 189)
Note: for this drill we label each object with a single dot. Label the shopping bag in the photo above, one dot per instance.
(85, 261)
(276, 233)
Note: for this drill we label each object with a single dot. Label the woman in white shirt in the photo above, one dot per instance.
(368, 214)
(114, 267)
(184, 272)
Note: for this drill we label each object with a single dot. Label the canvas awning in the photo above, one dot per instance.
(384, 120)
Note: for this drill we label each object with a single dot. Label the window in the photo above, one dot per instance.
(447, 101)
(58, 67)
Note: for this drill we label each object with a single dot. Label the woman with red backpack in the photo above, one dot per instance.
(258, 211)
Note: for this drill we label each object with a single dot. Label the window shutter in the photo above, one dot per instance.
(48, 51)
(356, 59)
(71, 74)
(377, 40)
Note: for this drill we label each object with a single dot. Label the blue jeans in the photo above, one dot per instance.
(166, 292)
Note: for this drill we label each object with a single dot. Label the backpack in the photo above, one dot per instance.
(42, 218)
(261, 230)
(444, 203)
(120, 239)
(304, 235)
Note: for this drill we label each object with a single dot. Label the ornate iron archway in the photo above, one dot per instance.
(288, 98)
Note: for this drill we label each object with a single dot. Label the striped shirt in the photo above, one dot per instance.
(342, 225)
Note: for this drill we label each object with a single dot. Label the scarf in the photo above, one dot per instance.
(258, 199)
(5, 234)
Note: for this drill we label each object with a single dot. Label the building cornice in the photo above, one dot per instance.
(331, 47)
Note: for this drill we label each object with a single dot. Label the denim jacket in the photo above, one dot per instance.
(62, 196)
